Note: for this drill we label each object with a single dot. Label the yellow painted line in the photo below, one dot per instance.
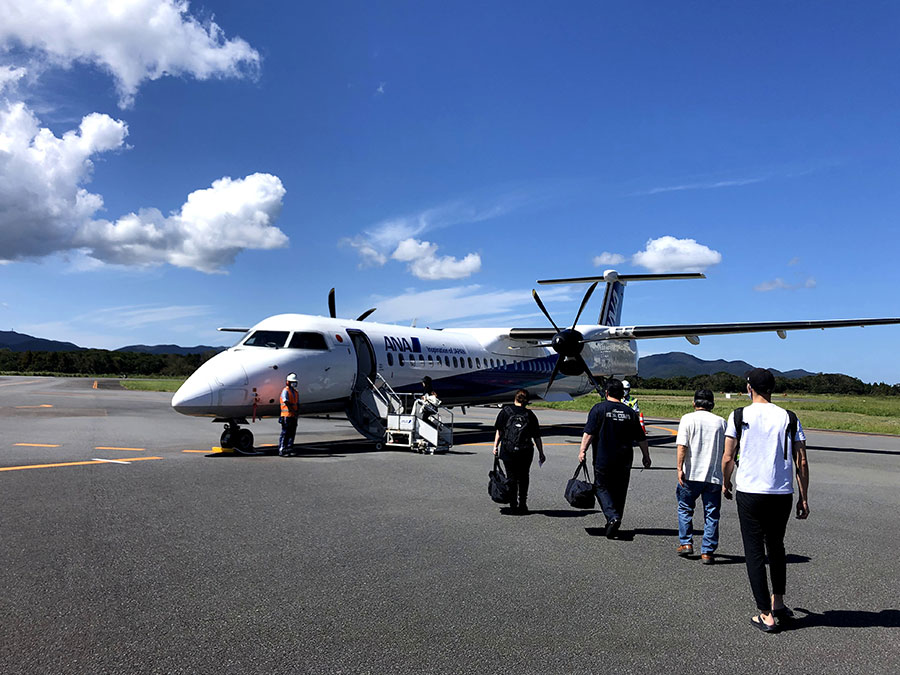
(204, 452)
(488, 445)
(84, 463)
(42, 405)
(37, 445)
(103, 447)
(671, 431)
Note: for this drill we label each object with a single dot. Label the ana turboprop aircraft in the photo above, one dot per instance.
(337, 361)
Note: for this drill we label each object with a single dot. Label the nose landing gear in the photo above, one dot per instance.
(233, 437)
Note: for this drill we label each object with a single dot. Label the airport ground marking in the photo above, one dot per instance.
(671, 431)
(37, 445)
(82, 463)
(42, 405)
(108, 447)
(111, 461)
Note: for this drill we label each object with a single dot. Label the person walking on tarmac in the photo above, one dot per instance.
(770, 445)
(613, 429)
(632, 403)
(290, 403)
(517, 433)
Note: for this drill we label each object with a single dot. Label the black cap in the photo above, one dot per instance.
(761, 381)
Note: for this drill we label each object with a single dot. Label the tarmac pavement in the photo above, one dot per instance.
(131, 547)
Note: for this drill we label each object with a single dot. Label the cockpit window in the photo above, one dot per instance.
(308, 341)
(267, 338)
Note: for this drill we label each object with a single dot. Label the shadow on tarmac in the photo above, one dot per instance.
(845, 618)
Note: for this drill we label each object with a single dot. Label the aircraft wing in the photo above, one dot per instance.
(695, 330)
(531, 333)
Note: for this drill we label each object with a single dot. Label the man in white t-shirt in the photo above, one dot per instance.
(764, 488)
(701, 443)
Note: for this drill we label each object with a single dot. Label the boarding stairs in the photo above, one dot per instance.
(400, 420)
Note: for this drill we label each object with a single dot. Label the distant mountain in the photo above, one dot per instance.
(169, 349)
(19, 342)
(676, 364)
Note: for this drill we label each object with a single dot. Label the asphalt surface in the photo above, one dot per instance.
(348, 560)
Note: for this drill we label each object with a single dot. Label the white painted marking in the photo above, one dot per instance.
(111, 461)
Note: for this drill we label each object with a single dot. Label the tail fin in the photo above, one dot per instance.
(611, 311)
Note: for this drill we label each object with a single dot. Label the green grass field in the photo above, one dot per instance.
(152, 385)
(873, 414)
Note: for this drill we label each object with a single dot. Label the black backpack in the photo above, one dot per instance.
(739, 429)
(516, 435)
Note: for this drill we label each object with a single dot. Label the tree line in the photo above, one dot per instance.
(823, 383)
(92, 362)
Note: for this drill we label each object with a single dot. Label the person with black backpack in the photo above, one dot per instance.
(517, 433)
(758, 439)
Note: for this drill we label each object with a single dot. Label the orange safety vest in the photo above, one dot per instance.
(290, 399)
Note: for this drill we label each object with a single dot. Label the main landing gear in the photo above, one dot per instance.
(233, 437)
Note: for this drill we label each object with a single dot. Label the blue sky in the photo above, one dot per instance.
(168, 168)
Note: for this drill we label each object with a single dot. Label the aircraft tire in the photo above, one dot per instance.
(226, 439)
(243, 442)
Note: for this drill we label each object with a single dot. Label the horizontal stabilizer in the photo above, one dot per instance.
(694, 330)
(610, 276)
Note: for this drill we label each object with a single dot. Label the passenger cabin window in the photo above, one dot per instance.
(390, 358)
(267, 338)
(400, 359)
(308, 341)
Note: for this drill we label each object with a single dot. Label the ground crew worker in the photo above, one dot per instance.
(290, 403)
(632, 403)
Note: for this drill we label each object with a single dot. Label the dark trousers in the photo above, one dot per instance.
(518, 470)
(611, 487)
(288, 431)
(763, 522)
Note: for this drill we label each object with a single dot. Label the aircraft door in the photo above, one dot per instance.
(365, 359)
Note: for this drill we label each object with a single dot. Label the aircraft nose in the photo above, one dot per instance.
(193, 396)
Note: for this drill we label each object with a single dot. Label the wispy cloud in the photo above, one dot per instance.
(400, 238)
(779, 284)
(454, 306)
(704, 185)
(607, 258)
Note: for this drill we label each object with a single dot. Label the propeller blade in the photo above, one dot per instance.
(362, 317)
(587, 296)
(553, 375)
(540, 304)
(331, 312)
(587, 371)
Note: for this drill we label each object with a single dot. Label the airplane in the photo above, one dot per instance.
(338, 361)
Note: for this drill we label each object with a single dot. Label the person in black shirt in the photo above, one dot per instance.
(612, 429)
(517, 433)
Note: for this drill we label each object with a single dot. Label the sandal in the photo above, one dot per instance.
(758, 622)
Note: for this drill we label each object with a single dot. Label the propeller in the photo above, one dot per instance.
(333, 314)
(568, 343)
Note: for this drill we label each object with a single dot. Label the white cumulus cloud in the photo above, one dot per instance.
(670, 255)
(607, 258)
(9, 76)
(45, 208)
(424, 262)
(134, 41)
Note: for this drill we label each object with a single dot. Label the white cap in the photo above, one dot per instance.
(292, 377)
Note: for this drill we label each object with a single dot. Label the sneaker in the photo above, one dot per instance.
(707, 558)
(612, 527)
(685, 550)
(523, 509)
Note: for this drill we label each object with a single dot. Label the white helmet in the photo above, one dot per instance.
(626, 385)
(292, 378)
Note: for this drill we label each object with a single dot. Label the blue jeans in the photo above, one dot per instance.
(288, 430)
(711, 494)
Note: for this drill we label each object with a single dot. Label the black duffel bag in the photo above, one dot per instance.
(580, 493)
(499, 485)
